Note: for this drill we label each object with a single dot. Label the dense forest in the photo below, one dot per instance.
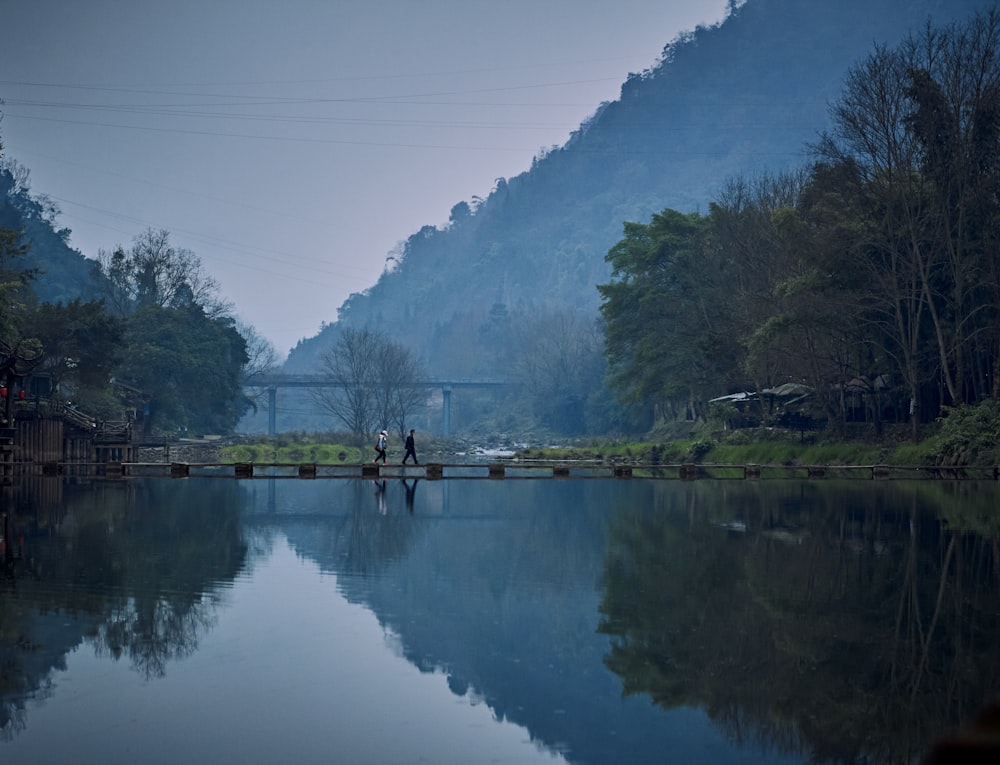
(801, 195)
(869, 279)
(139, 333)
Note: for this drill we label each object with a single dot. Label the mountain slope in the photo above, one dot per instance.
(737, 98)
(62, 273)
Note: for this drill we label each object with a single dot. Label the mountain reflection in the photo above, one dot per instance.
(128, 568)
(851, 625)
(772, 621)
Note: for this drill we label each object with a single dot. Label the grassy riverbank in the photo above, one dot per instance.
(757, 448)
(298, 451)
(967, 436)
(780, 449)
(963, 436)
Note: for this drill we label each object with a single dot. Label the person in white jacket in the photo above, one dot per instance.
(380, 446)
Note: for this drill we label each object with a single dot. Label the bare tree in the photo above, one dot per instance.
(261, 354)
(875, 160)
(560, 367)
(374, 382)
(916, 132)
(397, 395)
(350, 365)
(153, 272)
(19, 175)
(261, 357)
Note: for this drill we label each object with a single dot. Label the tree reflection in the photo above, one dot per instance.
(855, 625)
(376, 535)
(130, 568)
(152, 634)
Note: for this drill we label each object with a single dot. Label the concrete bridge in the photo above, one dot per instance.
(271, 382)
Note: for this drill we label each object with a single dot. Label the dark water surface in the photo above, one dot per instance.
(213, 620)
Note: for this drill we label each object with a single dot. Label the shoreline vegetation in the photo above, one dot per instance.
(968, 437)
(777, 449)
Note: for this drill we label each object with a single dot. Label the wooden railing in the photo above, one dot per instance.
(104, 431)
(76, 417)
(117, 431)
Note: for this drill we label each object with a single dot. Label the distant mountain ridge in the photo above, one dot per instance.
(739, 97)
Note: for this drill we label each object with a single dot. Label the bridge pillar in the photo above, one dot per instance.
(446, 410)
(272, 410)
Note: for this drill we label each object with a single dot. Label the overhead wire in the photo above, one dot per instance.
(232, 107)
(276, 256)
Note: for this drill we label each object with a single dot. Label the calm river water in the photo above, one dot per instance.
(214, 620)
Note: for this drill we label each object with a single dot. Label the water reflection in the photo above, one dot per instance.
(852, 625)
(130, 569)
(770, 622)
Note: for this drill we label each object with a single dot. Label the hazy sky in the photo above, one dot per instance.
(293, 145)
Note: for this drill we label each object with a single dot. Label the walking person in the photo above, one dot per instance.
(411, 449)
(380, 446)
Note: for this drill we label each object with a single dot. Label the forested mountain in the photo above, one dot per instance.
(744, 96)
(62, 274)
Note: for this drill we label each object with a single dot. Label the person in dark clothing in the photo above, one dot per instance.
(411, 449)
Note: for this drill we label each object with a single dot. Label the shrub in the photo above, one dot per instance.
(700, 448)
(969, 435)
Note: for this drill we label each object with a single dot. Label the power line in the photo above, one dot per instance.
(224, 244)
